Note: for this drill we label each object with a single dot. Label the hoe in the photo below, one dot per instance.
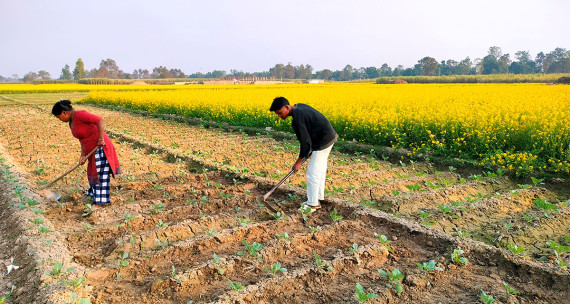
(54, 196)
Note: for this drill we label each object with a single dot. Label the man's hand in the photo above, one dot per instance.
(297, 165)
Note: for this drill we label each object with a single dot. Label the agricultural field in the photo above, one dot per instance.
(187, 223)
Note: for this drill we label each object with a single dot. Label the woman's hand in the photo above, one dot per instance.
(82, 159)
(101, 142)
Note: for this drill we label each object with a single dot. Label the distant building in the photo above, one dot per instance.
(314, 81)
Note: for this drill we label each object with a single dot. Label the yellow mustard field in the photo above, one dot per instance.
(515, 127)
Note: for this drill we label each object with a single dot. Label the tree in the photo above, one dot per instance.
(385, 70)
(65, 73)
(44, 75)
(289, 71)
(464, 67)
(428, 66)
(160, 72)
(79, 71)
(111, 68)
(539, 62)
(324, 74)
(277, 70)
(346, 73)
(523, 65)
(371, 72)
(31, 76)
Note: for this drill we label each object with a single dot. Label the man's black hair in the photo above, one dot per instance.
(278, 103)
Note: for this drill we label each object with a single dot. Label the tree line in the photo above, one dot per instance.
(495, 62)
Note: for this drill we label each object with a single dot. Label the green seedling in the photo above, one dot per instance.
(252, 250)
(509, 289)
(284, 236)
(432, 185)
(236, 286)
(457, 258)
(202, 214)
(487, 299)
(37, 221)
(37, 211)
(367, 203)
(211, 232)
(558, 251)
(413, 187)
(462, 234)
(219, 269)
(314, 229)
(304, 212)
(545, 207)
(476, 177)
(274, 269)
(322, 266)
(204, 199)
(43, 229)
(516, 250)
(353, 249)
(524, 186)
(362, 296)
(156, 209)
(459, 205)
(244, 222)
(127, 218)
(162, 244)
(57, 270)
(88, 210)
(429, 266)
(394, 278)
(335, 216)
(384, 241)
(75, 283)
(161, 224)
(537, 181)
(122, 262)
(424, 216)
(86, 226)
(529, 219)
(395, 192)
(277, 215)
(76, 299)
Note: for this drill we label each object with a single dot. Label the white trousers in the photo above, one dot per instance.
(316, 175)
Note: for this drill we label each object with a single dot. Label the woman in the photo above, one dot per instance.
(90, 131)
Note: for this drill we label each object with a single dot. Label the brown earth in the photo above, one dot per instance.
(189, 193)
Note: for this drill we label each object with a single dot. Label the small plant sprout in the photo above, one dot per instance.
(285, 236)
(322, 266)
(127, 218)
(314, 229)
(156, 209)
(86, 226)
(424, 216)
(37, 221)
(252, 250)
(335, 216)
(361, 295)
(274, 269)
(43, 229)
(545, 207)
(88, 210)
(461, 234)
(76, 299)
(429, 266)
(558, 251)
(161, 224)
(122, 262)
(211, 232)
(56, 270)
(277, 215)
(304, 212)
(509, 289)
(487, 299)
(353, 249)
(537, 181)
(394, 278)
(457, 258)
(162, 244)
(244, 222)
(236, 286)
(384, 241)
(395, 192)
(516, 250)
(219, 269)
(75, 283)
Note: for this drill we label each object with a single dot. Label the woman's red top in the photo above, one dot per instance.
(84, 127)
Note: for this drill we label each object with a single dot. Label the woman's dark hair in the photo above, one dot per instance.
(60, 106)
(278, 103)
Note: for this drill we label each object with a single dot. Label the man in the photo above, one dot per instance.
(316, 136)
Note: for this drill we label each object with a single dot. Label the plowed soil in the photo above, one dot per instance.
(189, 204)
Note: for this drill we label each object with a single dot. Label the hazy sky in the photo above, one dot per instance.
(200, 36)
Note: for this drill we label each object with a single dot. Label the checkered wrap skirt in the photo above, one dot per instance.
(101, 193)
